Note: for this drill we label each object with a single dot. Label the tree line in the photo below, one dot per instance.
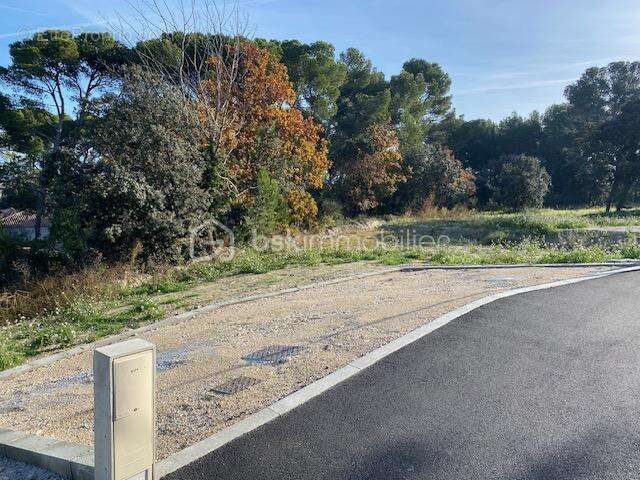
(127, 146)
(589, 145)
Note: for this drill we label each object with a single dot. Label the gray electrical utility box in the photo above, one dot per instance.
(124, 412)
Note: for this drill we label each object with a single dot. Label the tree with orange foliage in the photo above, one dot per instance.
(266, 132)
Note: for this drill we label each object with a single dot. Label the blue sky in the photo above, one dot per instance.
(502, 55)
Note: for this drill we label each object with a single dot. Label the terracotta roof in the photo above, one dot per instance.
(12, 217)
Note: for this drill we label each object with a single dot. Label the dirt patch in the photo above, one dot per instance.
(218, 368)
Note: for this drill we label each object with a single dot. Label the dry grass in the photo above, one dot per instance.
(33, 298)
(429, 211)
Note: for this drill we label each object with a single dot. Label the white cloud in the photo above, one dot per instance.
(541, 70)
(21, 10)
(515, 86)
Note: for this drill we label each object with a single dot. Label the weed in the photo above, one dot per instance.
(9, 356)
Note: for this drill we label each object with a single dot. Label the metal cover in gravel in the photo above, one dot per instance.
(235, 385)
(273, 355)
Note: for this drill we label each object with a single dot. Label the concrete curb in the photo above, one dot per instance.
(294, 400)
(68, 460)
(76, 462)
(413, 268)
(49, 359)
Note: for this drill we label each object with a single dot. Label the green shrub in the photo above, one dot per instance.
(269, 211)
(519, 182)
(576, 255)
(331, 213)
(630, 249)
(151, 184)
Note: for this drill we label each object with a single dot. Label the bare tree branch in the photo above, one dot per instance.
(194, 46)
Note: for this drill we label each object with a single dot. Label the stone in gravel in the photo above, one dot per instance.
(14, 404)
(170, 359)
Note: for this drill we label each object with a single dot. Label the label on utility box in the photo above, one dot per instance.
(131, 379)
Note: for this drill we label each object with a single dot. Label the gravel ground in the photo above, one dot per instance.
(541, 386)
(218, 368)
(10, 470)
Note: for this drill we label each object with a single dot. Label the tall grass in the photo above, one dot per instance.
(52, 293)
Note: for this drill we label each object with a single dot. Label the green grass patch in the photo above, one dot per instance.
(9, 354)
(81, 322)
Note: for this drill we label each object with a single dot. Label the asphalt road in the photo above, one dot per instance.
(544, 385)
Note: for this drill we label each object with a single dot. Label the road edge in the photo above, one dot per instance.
(202, 448)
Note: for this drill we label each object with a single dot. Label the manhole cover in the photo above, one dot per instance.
(235, 385)
(273, 355)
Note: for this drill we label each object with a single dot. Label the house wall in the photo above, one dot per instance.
(27, 233)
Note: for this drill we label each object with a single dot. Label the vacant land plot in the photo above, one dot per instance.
(220, 367)
(63, 312)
